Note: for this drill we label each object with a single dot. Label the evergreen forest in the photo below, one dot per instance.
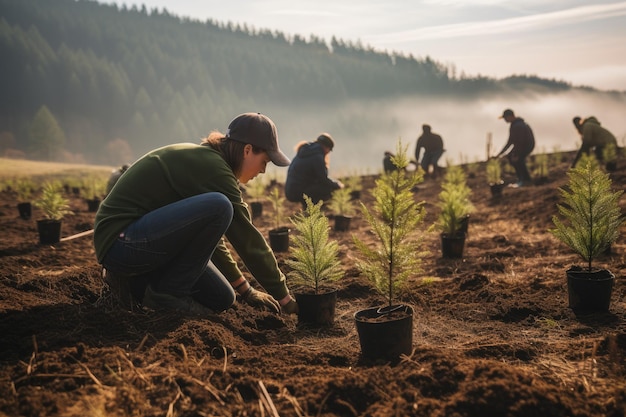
(82, 81)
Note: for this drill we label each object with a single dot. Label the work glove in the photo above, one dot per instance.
(290, 308)
(260, 299)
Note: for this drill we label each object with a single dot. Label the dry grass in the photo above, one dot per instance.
(13, 168)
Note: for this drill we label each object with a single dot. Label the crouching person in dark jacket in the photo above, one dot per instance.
(308, 172)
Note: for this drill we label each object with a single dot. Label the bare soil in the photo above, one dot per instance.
(493, 333)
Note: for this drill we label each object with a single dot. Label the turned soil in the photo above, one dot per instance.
(493, 333)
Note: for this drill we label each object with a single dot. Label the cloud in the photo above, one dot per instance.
(516, 24)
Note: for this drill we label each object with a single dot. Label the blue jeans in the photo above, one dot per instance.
(170, 248)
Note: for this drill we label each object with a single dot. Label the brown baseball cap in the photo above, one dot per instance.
(258, 130)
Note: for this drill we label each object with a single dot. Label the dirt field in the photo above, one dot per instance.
(493, 334)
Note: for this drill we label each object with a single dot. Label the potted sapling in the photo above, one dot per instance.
(93, 188)
(279, 235)
(315, 266)
(355, 184)
(342, 205)
(455, 208)
(386, 332)
(589, 222)
(257, 191)
(24, 187)
(494, 177)
(54, 207)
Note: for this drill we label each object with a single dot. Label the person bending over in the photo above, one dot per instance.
(308, 172)
(160, 234)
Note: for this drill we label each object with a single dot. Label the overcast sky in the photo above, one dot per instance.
(569, 40)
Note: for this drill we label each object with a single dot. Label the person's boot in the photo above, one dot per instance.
(119, 291)
(164, 301)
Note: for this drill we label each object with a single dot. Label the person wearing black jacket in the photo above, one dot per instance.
(522, 141)
(308, 172)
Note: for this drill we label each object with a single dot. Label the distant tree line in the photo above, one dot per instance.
(111, 80)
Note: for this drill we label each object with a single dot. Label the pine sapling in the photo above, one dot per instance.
(256, 189)
(341, 202)
(24, 187)
(494, 171)
(590, 211)
(52, 202)
(394, 221)
(277, 201)
(454, 201)
(315, 259)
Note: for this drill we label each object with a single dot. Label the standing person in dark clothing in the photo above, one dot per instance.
(160, 233)
(593, 137)
(433, 149)
(522, 141)
(308, 171)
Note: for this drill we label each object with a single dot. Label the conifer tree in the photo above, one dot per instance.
(314, 257)
(454, 200)
(46, 136)
(394, 220)
(590, 209)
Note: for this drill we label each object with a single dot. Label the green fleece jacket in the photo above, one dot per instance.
(593, 135)
(179, 171)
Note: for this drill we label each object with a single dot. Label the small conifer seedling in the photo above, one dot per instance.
(52, 202)
(315, 258)
(341, 202)
(394, 221)
(454, 201)
(590, 211)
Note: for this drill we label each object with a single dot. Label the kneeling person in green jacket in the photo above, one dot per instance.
(160, 234)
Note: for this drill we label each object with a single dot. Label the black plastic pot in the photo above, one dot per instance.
(25, 210)
(452, 245)
(496, 189)
(93, 204)
(342, 223)
(316, 309)
(279, 239)
(589, 291)
(611, 166)
(385, 332)
(49, 231)
(256, 209)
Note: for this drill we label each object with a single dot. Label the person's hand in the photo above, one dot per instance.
(290, 308)
(260, 299)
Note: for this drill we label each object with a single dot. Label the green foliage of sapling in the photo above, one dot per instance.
(394, 220)
(315, 258)
(24, 187)
(256, 189)
(277, 201)
(494, 171)
(52, 202)
(591, 216)
(341, 202)
(541, 167)
(454, 201)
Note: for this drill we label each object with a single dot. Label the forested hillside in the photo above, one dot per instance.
(98, 83)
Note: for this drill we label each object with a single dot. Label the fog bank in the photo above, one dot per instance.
(364, 130)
